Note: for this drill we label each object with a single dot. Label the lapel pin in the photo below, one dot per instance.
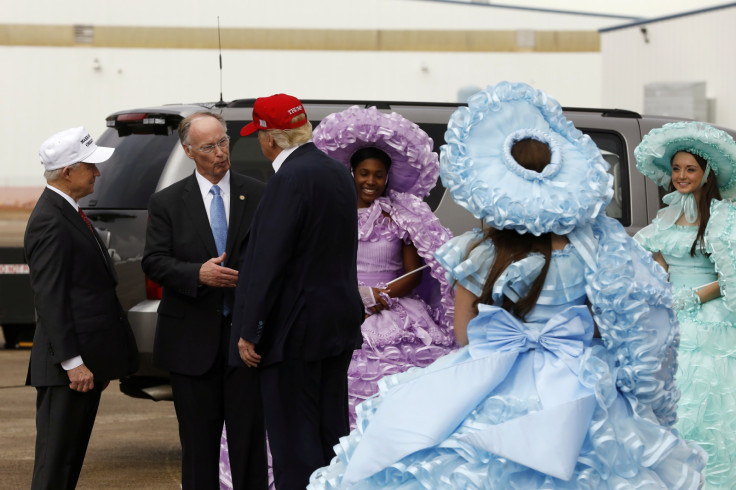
(242, 197)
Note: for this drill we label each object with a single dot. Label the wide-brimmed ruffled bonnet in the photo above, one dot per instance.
(477, 167)
(654, 153)
(414, 167)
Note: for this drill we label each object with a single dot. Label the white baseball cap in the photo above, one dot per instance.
(72, 146)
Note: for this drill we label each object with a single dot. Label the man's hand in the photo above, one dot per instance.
(217, 276)
(248, 353)
(81, 379)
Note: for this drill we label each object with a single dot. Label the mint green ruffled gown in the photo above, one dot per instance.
(706, 375)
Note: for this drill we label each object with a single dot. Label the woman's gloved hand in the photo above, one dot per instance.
(686, 299)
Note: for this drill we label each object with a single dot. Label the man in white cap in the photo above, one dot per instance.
(82, 338)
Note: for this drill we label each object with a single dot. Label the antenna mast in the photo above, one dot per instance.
(219, 46)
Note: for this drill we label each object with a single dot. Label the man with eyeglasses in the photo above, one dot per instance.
(196, 229)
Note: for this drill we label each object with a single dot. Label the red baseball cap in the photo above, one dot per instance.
(275, 112)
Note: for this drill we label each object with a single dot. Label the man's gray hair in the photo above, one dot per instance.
(52, 175)
(186, 124)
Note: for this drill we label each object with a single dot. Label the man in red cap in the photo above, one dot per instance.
(298, 312)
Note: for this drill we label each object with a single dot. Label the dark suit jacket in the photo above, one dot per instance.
(178, 241)
(78, 312)
(300, 298)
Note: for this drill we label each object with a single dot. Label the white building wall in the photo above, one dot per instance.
(49, 89)
(693, 48)
(318, 14)
(46, 89)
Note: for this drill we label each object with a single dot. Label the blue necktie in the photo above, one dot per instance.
(218, 222)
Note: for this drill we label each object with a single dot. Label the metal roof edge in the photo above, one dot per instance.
(667, 17)
(535, 9)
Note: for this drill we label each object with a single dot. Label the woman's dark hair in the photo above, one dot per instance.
(512, 246)
(370, 152)
(531, 154)
(708, 192)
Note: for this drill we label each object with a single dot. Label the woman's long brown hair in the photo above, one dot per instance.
(511, 246)
(708, 193)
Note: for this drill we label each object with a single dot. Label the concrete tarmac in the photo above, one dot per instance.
(134, 444)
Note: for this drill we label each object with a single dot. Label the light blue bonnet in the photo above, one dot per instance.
(477, 167)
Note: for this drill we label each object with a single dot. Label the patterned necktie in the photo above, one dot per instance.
(86, 220)
(218, 222)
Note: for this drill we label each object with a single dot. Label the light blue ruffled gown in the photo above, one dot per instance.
(707, 354)
(533, 404)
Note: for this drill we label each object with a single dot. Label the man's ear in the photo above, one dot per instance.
(187, 151)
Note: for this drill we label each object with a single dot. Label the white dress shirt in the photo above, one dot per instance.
(205, 186)
(279, 160)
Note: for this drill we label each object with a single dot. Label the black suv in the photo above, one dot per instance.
(148, 157)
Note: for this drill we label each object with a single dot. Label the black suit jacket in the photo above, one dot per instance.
(178, 241)
(78, 312)
(300, 298)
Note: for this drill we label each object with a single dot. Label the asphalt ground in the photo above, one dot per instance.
(134, 443)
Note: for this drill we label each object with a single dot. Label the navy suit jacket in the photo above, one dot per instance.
(178, 241)
(77, 309)
(300, 298)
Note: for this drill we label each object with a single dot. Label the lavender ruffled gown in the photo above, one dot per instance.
(417, 329)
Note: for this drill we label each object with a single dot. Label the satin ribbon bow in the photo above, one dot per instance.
(565, 333)
(425, 411)
(567, 405)
(677, 205)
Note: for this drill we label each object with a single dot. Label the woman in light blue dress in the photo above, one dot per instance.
(694, 239)
(566, 377)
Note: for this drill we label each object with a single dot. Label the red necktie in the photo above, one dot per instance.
(86, 220)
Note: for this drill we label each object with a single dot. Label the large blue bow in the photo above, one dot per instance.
(426, 410)
(566, 333)
(558, 344)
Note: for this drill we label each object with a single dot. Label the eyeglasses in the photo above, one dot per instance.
(222, 144)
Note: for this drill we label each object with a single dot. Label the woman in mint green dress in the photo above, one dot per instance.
(694, 239)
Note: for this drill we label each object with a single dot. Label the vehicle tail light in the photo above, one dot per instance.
(143, 123)
(132, 116)
(153, 290)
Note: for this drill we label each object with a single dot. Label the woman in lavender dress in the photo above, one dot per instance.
(407, 299)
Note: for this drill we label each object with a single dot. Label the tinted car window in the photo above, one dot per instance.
(246, 157)
(437, 133)
(245, 153)
(614, 152)
(130, 176)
